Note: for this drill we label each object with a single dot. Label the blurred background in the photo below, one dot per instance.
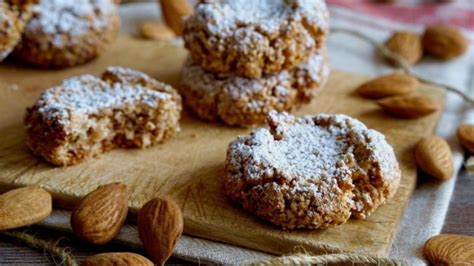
(459, 13)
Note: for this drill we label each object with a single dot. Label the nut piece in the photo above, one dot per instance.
(24, 206)
(388, 85)
(160, 225)
(101, 214)
(117, 258)
(469, 164)
(444, 42)
(433, 156)
(450, 249)
(466, 136)
(409, 106)
(174, 11)
(407, 45)
(156, 31)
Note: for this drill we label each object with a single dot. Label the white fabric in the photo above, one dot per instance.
(426, 211)
(428, 206)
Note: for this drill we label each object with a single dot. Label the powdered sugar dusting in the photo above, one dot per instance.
(88, 94)
(302, 150)
(266, 15)
(311, 147)
(60, 18)
(316, 68)
(6, 31)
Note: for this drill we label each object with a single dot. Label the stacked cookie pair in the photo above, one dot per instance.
(251, 58)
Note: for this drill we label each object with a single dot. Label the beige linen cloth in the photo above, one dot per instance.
(427, 209)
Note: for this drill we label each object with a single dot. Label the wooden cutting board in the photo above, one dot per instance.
(189, 166)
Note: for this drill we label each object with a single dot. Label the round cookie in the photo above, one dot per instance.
(264, 37)
(242, 101)
(64, 33)
(13, 16)
(311, 172)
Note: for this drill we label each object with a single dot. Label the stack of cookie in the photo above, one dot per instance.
(249, 58)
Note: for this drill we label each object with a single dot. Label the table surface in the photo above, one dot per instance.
(460, 220)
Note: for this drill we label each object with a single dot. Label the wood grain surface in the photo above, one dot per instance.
(189, 166)
(460, 220)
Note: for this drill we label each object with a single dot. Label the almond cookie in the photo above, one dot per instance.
(311, 172)
(252, 39)
(65, 33)
(13, 16)
(240, 101)
(85, 115)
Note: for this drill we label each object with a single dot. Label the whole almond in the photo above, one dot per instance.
(24, 206)
(101, 214)
(407, 45)
(450, 249)
(388, 85)
(117, 258)
(409, 106)
(466, 136)
(434, 157)
(155, 30)
(444, 42)
(174, 11)
(160, 225)
(469, 164)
